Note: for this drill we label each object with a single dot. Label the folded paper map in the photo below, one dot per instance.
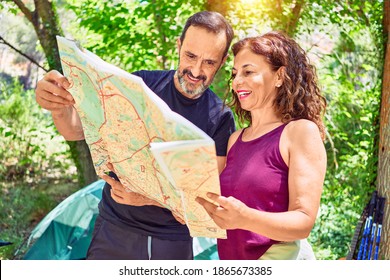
(154, 151)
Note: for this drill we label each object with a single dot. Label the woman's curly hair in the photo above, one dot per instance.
(299, 97)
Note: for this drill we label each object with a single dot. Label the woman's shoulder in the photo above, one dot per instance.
(302, 126)
(236, 133)
(233, 138)
(303, 131)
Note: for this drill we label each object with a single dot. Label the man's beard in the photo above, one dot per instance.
(183, 83)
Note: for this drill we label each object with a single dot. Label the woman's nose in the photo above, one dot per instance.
(237, 81)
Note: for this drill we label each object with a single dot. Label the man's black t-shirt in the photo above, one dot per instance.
(206, 112)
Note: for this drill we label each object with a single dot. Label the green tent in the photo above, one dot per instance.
(65, 233)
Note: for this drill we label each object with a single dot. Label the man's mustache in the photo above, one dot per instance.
(200, 77)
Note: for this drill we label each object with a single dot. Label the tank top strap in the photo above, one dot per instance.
(241, 133)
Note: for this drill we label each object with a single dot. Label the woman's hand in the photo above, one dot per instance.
(230, 214)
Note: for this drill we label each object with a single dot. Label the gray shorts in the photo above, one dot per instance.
(111, 242)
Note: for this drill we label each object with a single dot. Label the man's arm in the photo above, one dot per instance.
(222, 159)
(221, 163)
(68, 124)
(51, 94)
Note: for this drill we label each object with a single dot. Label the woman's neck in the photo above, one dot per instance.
(262, 123)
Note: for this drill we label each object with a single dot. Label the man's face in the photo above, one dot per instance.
(200, 57)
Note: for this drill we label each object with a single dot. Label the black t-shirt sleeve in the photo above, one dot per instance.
(139, 74)
(221, 136)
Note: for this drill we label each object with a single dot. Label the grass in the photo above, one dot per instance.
(22, 206)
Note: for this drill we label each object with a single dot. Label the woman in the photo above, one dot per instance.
(272, 182)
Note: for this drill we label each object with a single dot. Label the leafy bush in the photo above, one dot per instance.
(29, 143)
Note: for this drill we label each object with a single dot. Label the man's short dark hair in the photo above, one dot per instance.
(212, 22)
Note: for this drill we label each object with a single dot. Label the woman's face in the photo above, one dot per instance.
(254, 81)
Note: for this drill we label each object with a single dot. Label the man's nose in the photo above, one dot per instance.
(197, 68)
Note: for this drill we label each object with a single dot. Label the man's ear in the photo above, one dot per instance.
(223, 61)
(178, 45)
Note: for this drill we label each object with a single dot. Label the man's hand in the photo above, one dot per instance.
(51, 92)
(123, 196)
(178, 218)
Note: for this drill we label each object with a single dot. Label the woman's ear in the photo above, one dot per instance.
(279, 77)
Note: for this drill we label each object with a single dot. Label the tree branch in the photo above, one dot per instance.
(31, 16)
(3, 41)
(25, 10)
(294, 17)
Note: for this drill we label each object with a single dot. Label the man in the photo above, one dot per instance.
(129, 225)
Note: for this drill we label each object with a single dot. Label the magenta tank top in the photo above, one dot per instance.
(256, 174)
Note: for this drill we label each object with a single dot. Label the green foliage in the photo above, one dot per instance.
(134, 35)
(29, 143)
(23, 206)
(8, 6)
(350, 75)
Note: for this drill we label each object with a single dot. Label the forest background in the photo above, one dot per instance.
(345, 39)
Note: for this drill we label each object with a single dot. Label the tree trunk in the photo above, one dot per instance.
(293, 20)
(221, 7)
(45, 22)
(82, 158)
(158, 18)
(384, 142)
